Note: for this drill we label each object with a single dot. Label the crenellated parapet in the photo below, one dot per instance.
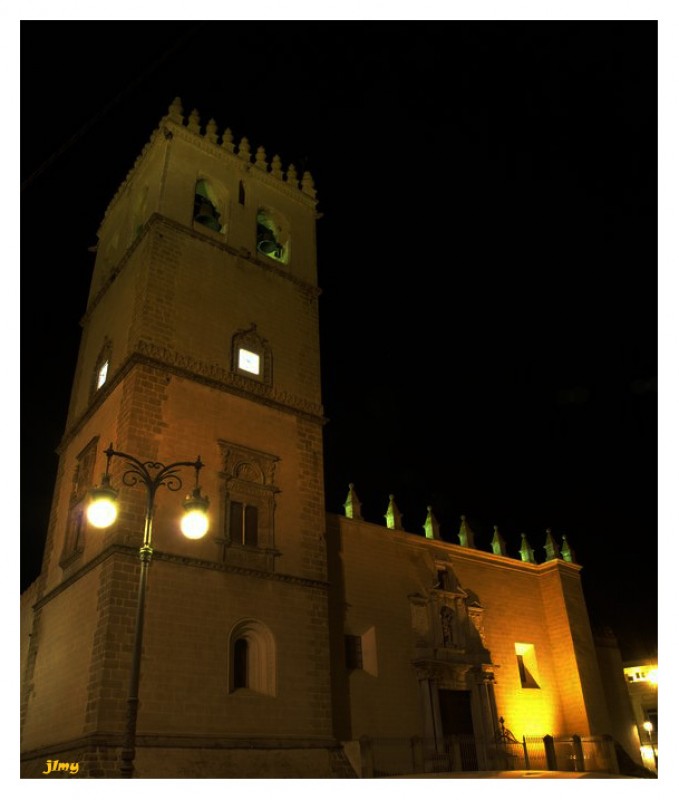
(243, 150)
(177, 122)
(432, 531)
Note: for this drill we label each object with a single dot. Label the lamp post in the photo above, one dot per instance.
(101, 513)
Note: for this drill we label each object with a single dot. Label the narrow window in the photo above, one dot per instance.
(241, 193)
(243, 524)
(252, 658)
(353, 652)
(240, 664)
(101, 368)
(75, 537)
(236, 521)
(527, 664)
(102, 372)
(250, 526)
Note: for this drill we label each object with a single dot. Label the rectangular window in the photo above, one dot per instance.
(83, 478)
(243, 523)
(250, 526)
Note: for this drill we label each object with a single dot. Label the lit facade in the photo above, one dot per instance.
(274, 644)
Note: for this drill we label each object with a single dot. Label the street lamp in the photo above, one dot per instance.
(102, 512)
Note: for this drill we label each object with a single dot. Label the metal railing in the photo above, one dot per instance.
(391, 756)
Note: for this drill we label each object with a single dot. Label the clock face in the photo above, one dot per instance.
(248, 361)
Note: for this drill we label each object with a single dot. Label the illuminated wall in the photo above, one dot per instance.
(525, 624)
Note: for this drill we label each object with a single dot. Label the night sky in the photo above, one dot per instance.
(488, 258)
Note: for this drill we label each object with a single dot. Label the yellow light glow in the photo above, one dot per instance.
(648, 726)
(194, 524)
(652, 676)
(102, 512)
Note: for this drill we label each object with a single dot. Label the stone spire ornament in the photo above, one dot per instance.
(498, 544)
(466, 534)
(526, 551)
(194, 121)
(260, 159)
(393, 515)
(277, 167)
(308, 184)
(551, 547)
(176, 111)
(431, 526)
(244, 149)
(211, 131)
(566, 551)
(227, 140)
(292, 175)
(352, 505)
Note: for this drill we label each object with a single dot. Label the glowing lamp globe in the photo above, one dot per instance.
(102, 509)
(194, 523)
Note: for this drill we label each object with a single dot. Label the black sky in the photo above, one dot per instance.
(487, 255)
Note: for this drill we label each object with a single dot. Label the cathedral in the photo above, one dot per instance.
(286, 641)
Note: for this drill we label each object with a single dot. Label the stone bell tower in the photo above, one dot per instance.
(200, 337)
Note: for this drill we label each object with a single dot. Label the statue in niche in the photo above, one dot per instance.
(447, 623)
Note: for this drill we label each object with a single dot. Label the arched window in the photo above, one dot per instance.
(252, 658)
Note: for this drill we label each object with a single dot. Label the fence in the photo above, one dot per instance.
(389, 757)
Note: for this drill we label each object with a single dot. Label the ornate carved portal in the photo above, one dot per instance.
(453, 667)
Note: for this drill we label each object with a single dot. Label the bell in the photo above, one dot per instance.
(266, 243)
(205, 214)
(269, 247)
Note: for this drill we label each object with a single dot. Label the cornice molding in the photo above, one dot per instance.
(187, 561)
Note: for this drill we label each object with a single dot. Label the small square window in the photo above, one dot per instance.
(248, 361)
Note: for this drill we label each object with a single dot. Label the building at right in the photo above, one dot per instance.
(481, 652)
(642, 684)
